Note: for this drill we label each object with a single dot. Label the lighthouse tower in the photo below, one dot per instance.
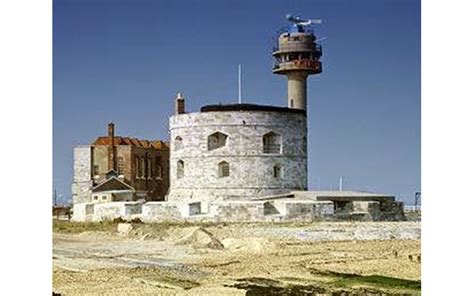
(297, 56)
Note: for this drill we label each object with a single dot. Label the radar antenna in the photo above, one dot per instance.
(301, 23)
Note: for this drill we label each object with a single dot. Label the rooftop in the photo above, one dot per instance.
(157, 144)
(250, 107)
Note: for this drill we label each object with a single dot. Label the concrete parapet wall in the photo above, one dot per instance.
(300, 210)
(286, 209)
(324, 209)
(83, 212)
(114, 210)
(237, 211)
(369, 209)
(161, 211)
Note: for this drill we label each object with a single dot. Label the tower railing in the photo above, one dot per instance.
(299, 64)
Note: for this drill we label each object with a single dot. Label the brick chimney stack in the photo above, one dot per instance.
(111, 149)
(179, 104)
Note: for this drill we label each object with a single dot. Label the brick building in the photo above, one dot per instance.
(117, 168)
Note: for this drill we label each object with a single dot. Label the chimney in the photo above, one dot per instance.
(111, 149)
(179, 104)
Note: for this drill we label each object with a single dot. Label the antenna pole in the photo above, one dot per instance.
(240, 84)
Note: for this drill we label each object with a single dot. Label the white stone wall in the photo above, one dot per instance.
(106, 211)
(299, 210)
(237, 211)
(251, 171)
(82, 181)
(156, 211)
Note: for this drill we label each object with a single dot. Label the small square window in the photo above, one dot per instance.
(277, 171)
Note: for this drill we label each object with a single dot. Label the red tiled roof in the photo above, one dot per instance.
(157, 144)
(160, 144)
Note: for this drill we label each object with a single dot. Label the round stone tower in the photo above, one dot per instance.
(237, 152)
(297, 56)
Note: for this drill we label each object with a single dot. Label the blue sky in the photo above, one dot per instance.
(124, 61)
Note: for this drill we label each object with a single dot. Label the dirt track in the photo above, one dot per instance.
(256, 259)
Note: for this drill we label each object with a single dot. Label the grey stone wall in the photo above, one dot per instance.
(237, 211)
(251, 171)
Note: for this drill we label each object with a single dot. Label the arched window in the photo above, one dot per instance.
(180, 169)
(272, 143)
(142, 167)
(216, 140)
(137, 167)
(178, 143)
(120, 165)
(158, 167)
(149, 168)
(277, 171)
(159, 171)
(224, 170)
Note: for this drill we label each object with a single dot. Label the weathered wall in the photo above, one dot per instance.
(237, 211)
(161, 211)
(100, 158)
(392, 211)
(151, 186)
(304, 209)
(154, 186)
(82, 183)
(113, 210)
(251, 171)
(371, 209)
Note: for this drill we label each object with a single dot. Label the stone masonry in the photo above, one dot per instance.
(251, 171)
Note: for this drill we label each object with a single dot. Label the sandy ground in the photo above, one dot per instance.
(371, 258)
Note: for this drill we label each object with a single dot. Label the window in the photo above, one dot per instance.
(216, 140)
(272, 143)
(158, 172)
(158, 167)
(142, 167)
(178, 143)
(120, 165)
(277, 171)
(96, 197)
(180, 169)
(96, 170)
(104, 197)
(224, 170)
(194, 208)
(137, 167)
(149, 168)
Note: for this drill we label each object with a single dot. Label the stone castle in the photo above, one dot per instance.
(239, 162)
